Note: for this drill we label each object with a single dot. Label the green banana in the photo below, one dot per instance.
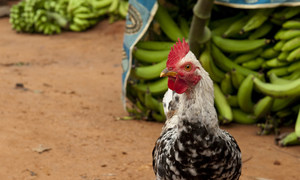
(262, 31)
(155, 45)
(284, 113)
(276, 80)
(157, 87)
(244, 94)
(123, 8)
(219, 27)
(254, 64)
(222, 105)
(227, 65)
(236, 78)
(258, 18)
(274, 63)
(291, 44)
(238, 46)
(293, 67)
(269, 53)
(281, 71)
(184, 27)
(280, 104)
(149, 72)
(286, 13)
(263, 107)
(289, 90)
(297, 125)
(101, 4)
(226, 85)
(158, 117)
(279, 45)
(291, 24)
(287, 34)
(235, 27)
(243, 118)
(290, 139)
(151, 102)
(207, 63)
(149, 56)
(283, 55)
(294, 55)
(232, 100)
(167, 24)
(248, 56)
(113, 6)
(293, 76)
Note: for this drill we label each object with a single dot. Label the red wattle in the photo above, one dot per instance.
(178, 85)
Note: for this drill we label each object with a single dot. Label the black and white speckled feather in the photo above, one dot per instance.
(191, 145)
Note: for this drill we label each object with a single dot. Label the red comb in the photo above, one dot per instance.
(178, 51)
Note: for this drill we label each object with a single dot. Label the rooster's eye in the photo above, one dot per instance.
(188, 67)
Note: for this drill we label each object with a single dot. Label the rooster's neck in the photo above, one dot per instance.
(197, 105)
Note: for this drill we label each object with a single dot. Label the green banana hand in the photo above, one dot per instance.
(289, 90)
(222, 105)
(244, 94)
(238, 46)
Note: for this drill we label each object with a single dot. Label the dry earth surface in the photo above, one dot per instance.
(61, 124)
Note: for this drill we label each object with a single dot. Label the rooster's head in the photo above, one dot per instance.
(183, 68)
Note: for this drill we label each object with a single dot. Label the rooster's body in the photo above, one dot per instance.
(191, 145)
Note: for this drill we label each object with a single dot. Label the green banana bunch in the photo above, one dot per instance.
(37, 16)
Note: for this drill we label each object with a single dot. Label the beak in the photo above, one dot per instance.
(166, 72)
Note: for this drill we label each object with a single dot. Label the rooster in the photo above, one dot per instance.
(191, 145)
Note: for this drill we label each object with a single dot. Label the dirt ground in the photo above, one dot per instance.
(61, 124)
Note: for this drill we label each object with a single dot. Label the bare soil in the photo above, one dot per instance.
(59, 99)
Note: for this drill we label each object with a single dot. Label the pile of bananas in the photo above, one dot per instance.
(253, 58)
(37, 16)
(51, 16)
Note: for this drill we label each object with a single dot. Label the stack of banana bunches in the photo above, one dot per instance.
(253, 57)
(52, 16)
